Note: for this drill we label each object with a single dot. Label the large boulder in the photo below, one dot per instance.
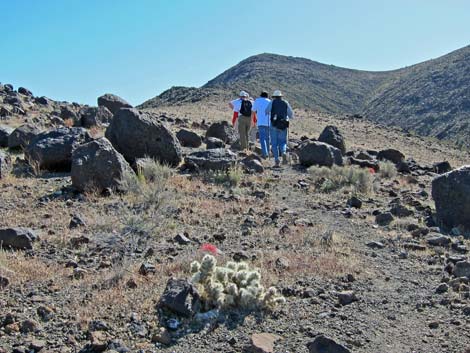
(214, 142)
(180, 297)
(69, 113)
(213, 159)
(5, 164)
(322, 344)
(5, 132)
(189, 138)
(25, 92)
(94, 116)
(17, 238)
(22, 136)
(319, 153)
(112, 102)
(451, 193)
(96, 165)
(52, 150)
(391, 155)
(138, 135)
(223, 131)
(332, 136)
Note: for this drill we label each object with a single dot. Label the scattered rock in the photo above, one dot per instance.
(52, 150)
(138, 135)
(5, 132)
(4, 282)
(29, 326)
(98, 341)
(462, 269)
(213, 159)
(17, 238)
(391, 155)
(22, 136)
(375, 245)
(438, 240)
(263, 342)
(177, 297)
(25, 92)
(147, 268)
(322, 344)
(319, 153)
(76, 221)
(182, 239)
(37, 345)
(213, 142)
(442, 288)
(188, 138)
(441, 167)
(355, 202)
(347, 297)
(96, 165)
(384, 219)
(401, 211)
(332, 136)
(162, 336)
(451, 193)
(282, 263)
(45, 313)
(223, 131)
(253, 164)
(112, 102)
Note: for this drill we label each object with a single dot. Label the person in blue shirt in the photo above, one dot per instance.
(262, 121)
(280, 113)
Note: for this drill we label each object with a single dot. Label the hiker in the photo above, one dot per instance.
(242, 114)
(280, 113)
(261, 119)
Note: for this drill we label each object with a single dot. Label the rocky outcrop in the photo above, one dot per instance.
(17, 238)
(22, 136)
(5, 132)
(137, 135)
(223, 131)
(332, 136)
(112, 102)
(189, 138)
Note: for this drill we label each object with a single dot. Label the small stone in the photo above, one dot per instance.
(182, 239)
(282, 263)
(284, 229)
(322, 344)
(433, 325)
(131, 283)
(240, 256)
(36, 345)
(146, 268)
(263, 342)
(76, 221)
(162, 336)
(355, 202)
(442, 288)
(30, 325)
(384, 219)
(99, 341)
(375, 245)
(45, 313)
(347, 297)
(4, 282)
(12, 328)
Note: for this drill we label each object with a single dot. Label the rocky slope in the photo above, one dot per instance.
(431, 98)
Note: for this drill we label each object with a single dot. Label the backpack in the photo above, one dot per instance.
(245, 108)
(279, 114)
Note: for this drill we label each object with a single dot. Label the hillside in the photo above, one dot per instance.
(431, 98)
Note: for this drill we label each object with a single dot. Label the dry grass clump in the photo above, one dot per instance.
(230, 177)
(336, 177)
(387, 170)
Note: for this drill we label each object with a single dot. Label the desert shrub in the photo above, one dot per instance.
(336, 177)
(232, 286)
(153, 171)
(387, 170)
(230, 177)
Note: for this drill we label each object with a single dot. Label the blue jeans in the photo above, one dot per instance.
(264, 140)
(279, 142)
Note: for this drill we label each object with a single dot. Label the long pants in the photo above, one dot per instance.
(252, 135)
(279, 142)
(244, 125)
(264, 140)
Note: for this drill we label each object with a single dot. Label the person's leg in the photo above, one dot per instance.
(263, 140)
(274, 143)
(247, 124)
(283, 145)
(243, 133)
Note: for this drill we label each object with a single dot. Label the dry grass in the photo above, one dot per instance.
(335, 178)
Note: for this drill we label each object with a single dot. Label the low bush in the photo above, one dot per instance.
(332, 179)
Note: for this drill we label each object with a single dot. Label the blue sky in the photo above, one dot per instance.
(76, 50)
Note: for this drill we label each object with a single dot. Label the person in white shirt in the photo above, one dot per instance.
(242, 117)
(262, 121)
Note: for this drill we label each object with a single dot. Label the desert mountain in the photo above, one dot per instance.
(431, 98)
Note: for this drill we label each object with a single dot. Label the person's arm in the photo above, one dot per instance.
(234, 118)
(254, 119)
(268, 108)
(290, 112)
(230, 104)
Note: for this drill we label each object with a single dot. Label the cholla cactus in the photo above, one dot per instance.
(234, 285)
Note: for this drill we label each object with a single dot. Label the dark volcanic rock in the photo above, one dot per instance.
(22, 136)
(223, 131)
(97, 165)
(322, 344)
(213, 159)
(17, 238)
(94, 116)
(5, 132)
(112, 102)
(179, 297)
(391, 155)
(441, 167)
(53, 150)
(462, 269)
(189, 138)
(451, 193)
(137, 135)
(384, 219)
(25, 92)
(332, 136)
(363, 163)
(214, 142)
(319, 153)
(42, 100)
(5, 164)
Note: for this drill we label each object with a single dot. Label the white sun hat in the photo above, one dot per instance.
(277, 93)
(243, 94)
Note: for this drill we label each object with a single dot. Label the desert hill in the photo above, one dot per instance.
(431, 98)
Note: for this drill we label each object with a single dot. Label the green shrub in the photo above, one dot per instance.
(232, 286)
(231, 177)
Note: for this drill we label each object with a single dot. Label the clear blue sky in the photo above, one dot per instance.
(76, 50)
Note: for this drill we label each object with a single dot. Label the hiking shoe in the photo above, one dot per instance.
(284, 158)
(277, 164)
